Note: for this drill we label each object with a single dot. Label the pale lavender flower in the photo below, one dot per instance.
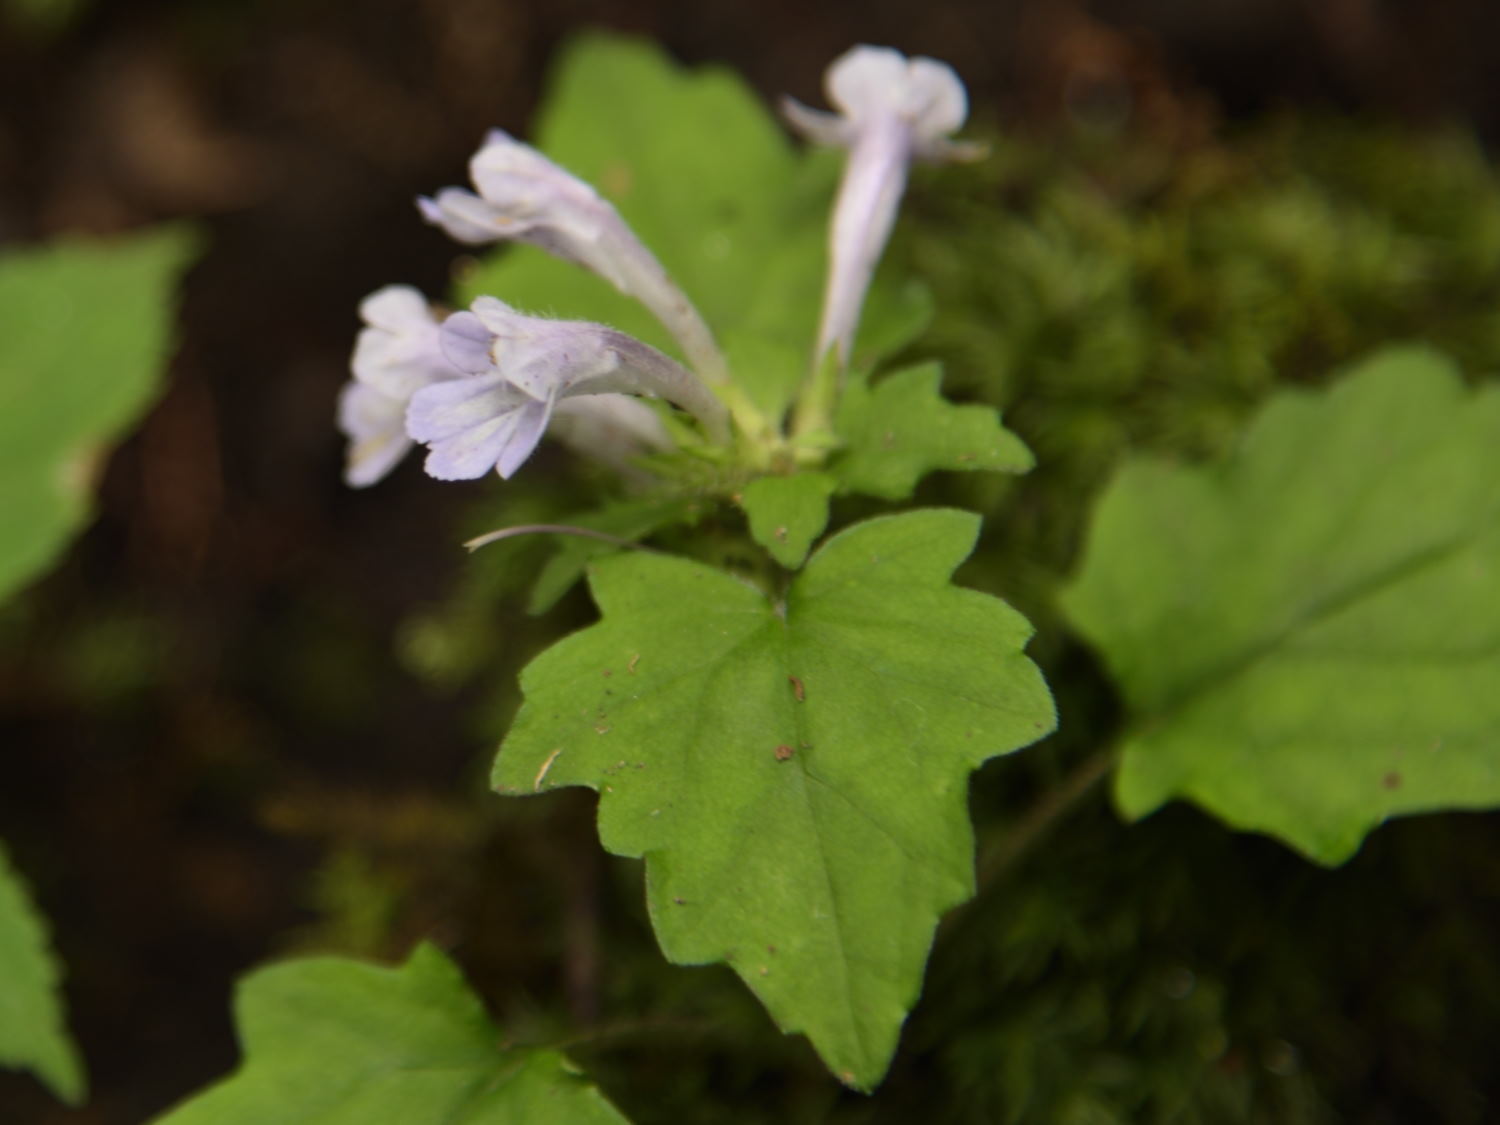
(893, 110)
(519, 367)
(397, 354)
(525, 197)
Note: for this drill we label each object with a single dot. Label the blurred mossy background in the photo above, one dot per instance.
(252, 712)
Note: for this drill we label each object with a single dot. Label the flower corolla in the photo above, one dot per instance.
(517, 368)
(893, 110)
(396, 354)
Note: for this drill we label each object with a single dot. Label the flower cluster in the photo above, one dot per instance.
(479, 387)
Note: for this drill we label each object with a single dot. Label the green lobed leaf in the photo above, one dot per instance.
(32, 1035)
(794, 773)
(902, 428)
(340, 1042)
(84, 333)
(1307, 634)
(788, 513)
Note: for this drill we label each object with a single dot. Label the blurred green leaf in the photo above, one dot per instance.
(1307, 634)
(43, 17)
(795, 774)
(84, 334)
(32, 1035)
(341, 1042)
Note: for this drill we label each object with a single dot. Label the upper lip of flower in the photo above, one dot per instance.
(871, 84)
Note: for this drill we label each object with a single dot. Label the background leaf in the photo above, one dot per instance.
(32, 1034)
(795, 774)
(84, 333)
(902, 428)
(1307, 634)
(83, 337)
(341, 1042)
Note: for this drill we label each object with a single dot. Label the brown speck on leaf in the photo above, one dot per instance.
(780, 534)
(797, 689)
(630, 668)
(608, 672)
(680, 901)
(1391, 780)
(601, 728)
(783, 752)
(771, 949)
(765, 972)
(80, 470)
(964, 458)
(617, 179)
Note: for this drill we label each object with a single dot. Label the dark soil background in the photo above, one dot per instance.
(202, 704)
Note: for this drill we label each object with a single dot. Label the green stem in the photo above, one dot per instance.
(814, 410)
(1000, 857)
(1040, 819)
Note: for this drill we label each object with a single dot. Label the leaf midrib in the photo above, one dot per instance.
(1316, 612)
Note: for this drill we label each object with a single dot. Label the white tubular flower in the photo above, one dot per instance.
(525, 197)
(893, 110)
(519, 367)
(396, 355)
